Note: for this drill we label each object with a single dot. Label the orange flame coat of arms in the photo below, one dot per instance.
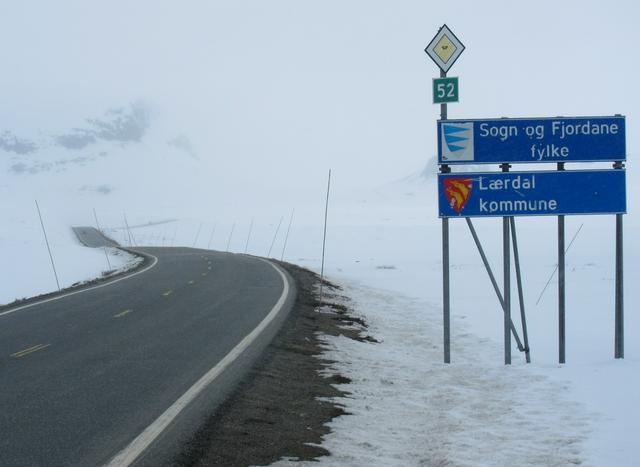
(457, 191)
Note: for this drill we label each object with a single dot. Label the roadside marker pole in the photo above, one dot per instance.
(246, 245)
(46, 240)
(126, 224)
(173, 239)
(106, 255)
(213, 231)
(197, 235)
(553, 273)
(324, 237)
(230, 235)
(275, 235)
(286, 237)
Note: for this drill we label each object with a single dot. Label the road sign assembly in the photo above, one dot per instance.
(510, 194)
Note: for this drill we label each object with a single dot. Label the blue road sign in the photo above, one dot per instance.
(544, 193)
(523, 140)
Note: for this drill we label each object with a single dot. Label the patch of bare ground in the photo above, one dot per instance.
(282, 408)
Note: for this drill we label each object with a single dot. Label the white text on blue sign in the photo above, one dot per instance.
(574, 139)
(532, 193)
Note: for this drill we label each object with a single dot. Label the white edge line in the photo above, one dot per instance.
(58, 297)
(129, 454)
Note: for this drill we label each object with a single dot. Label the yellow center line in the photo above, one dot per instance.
(24, 352)
(120, 315)
(167, 293)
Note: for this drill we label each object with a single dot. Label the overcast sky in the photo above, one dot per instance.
(288, 89)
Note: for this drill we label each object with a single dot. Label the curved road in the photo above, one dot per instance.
(84, 375)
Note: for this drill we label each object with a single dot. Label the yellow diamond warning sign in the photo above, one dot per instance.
(444, 48)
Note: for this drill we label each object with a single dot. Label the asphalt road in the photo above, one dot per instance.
(92, 237)
(82, 376)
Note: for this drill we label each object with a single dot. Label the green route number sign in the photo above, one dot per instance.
(445, 90)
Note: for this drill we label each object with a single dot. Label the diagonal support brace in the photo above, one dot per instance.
(493, 280)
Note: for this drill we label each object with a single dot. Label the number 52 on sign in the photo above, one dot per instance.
(445, 90)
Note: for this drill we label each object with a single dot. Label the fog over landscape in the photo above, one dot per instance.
(274, 93)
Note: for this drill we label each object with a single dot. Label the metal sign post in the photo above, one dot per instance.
(561, 286)
(444, 49)
(506, 264)
(446, 289)
(619, 300)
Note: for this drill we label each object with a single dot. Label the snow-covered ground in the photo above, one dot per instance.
(408, 408)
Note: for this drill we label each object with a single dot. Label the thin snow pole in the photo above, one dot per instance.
(46, 240)
(211, 236)
(106, 255)
(324, 237)
(175, 232)
(553, 273)
(95, 216)
(126, 224)
(275, 235)
(246, 245)
(230, 235)
(286, 238)
(197, 234)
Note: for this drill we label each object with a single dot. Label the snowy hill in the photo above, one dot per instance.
(99, 165)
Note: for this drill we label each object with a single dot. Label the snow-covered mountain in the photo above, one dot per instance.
(107, 163)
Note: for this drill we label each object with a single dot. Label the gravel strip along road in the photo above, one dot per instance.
(275, 411)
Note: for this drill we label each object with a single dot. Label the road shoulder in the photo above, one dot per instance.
(280, 410)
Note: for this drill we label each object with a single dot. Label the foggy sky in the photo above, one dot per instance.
(284, 90)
